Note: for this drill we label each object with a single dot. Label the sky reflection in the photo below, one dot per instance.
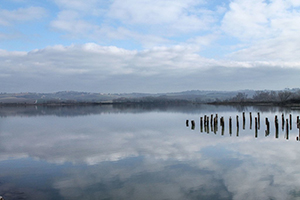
(145, 155)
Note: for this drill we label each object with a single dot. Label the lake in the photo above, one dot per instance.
(147, 152)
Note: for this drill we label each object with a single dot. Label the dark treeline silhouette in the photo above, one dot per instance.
(282, 97)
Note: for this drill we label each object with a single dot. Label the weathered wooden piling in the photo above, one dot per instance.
(207, 121)
(298, 126)
(276, 127)
(237, 126)
(258, 120)
(250, 116)
(201, 124)
(193, 124)
(256, 127)
(211, 119)
(244, 121)
(291, 121)
(282, 121)
(268, 127)
(222, 125)
(230, 126)
(215, 124)
(207, 127)
(287, 129)
(222, 121)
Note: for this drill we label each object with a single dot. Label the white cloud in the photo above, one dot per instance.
(71, 22)
(284, 49)
(91, 7)
(83, 67)
(151, 12)
(175, 15)
(269, 30)
(146, 23)
(7, 17)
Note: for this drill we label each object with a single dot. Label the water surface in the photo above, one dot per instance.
(145, 152)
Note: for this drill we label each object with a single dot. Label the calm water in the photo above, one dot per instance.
(106, 152)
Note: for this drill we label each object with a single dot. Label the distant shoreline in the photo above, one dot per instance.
(178, 102)
(283, 98)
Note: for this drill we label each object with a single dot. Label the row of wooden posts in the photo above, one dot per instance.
(213, 122)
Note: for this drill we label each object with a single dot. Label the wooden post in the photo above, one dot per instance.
(298, 120)
(282, 121)
(291, 121)
(187, 122)
(207, 124)
(193, 124)
(201, 124)
(256, 127)
(230, 126)
(215, 124)
(258, 120)
(250, 120)
(298, 126)
(287, 129)
(237, 126)
(244, 121)
(222, 125)
(276, 127)
(211, 119)
(268, 127)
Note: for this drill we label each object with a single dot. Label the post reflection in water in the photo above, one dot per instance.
(150, 153)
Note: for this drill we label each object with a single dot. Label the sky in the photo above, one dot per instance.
(116, 46)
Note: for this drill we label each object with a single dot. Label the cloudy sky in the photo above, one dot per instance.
(148, 46)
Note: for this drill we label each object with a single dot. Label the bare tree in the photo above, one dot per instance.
(284, 95)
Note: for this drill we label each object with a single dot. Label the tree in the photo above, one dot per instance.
(284, 95)
(240, 97)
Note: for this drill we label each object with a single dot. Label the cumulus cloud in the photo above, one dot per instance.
(145, 22)
(7, 17)
(91, 67)
(178, 15)
(268, 29)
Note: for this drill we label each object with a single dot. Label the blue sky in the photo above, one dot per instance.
(148, 46)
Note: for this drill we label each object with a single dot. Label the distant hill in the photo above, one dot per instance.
(192, 96)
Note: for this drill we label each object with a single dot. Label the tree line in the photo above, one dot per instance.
(283, 96)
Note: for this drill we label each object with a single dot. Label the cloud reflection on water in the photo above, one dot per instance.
(152, 155)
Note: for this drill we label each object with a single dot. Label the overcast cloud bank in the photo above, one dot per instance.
(151, 46)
